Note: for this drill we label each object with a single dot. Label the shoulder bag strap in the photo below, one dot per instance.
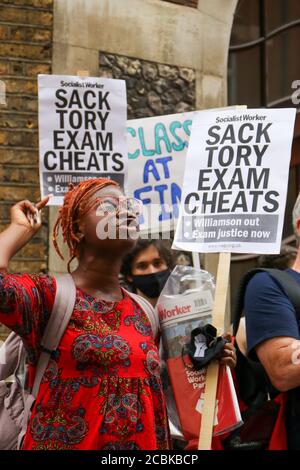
(240, 297)
(60, 316)
(62, 310)
(290, 286)
(148, 309)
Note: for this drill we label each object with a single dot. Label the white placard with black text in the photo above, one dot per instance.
(82, 131)
(235, 181)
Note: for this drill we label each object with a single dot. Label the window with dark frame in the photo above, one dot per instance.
(263, 48)
(262, 65)
(263, 59)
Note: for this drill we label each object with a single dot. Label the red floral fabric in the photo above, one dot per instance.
(102, 387)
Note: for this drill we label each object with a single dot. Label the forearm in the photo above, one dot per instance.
(12, 239)
(283, 366)
(287, 378)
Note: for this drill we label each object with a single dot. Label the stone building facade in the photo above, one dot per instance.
(172, 54)
(152, 89)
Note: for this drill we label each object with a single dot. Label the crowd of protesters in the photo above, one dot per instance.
(102, 388)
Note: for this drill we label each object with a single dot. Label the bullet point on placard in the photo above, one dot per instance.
(188, 223)
(49, 179)
(50, 189)
(186, 235)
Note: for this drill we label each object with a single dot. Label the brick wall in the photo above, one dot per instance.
(25, 51)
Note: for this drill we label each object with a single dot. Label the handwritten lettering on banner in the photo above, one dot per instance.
(157, 149)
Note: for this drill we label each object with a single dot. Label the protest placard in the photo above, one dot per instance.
(186, 304)
(233, 200)
(157, 148)
(235, 181)
(82, 131)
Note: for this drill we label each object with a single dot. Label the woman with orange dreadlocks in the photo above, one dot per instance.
(102, 388)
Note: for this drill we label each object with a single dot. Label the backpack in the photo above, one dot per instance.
(15, 401)
(262, 401)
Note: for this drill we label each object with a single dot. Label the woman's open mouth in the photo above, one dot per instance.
(127, 220)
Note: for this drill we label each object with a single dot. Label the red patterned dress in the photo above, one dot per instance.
(102, 388)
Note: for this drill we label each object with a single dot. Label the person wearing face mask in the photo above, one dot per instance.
(147, 268)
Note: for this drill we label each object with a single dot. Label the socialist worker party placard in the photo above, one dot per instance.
(235, 181)
(82, 131)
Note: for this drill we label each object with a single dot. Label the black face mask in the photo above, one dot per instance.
(151, 285)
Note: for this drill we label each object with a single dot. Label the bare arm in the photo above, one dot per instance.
(281, 360)
(25, 222)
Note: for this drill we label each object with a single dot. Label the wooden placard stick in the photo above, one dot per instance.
(218, 317)
(196, 260)
(83, 73)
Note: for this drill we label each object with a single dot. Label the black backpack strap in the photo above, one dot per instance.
(253, 383)
(240, 299)
(290, 286)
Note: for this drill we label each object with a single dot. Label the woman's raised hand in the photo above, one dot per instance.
(27, 214)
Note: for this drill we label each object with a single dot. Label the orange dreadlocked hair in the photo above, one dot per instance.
(76, 204)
